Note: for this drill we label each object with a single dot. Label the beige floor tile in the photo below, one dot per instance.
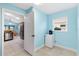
(16, 48)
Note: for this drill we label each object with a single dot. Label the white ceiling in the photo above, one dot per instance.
(55, 7)
(48, 7)
(23, 5)
(12, 16)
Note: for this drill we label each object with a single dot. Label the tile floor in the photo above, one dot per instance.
(15, 48)
(55, 51)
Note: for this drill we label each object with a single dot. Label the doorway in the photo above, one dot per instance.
(13, 33)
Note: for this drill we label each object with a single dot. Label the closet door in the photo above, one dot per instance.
(29, 33)
(0, 31)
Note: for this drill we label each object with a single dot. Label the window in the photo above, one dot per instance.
(11, 28)
(60, 24)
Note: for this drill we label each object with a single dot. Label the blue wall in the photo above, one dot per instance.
(40, 22)
(67, 39)
(43, 23)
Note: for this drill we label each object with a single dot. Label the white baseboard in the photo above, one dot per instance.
(58, 46)
(66, 48)
(39, 47)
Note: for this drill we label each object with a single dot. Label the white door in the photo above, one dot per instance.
(29, 33)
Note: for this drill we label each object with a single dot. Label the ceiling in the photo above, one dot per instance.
(47, 7)
(23, 5)
(55, 7)
(12, 16)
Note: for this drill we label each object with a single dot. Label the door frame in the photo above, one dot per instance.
(3, 9)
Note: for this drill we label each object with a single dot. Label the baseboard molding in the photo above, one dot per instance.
(66, 48)
(39, 47)
(58, 46)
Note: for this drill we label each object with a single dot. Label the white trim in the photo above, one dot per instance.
(60, 19)
(39, 47)
(2, 31)
(66, 48)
